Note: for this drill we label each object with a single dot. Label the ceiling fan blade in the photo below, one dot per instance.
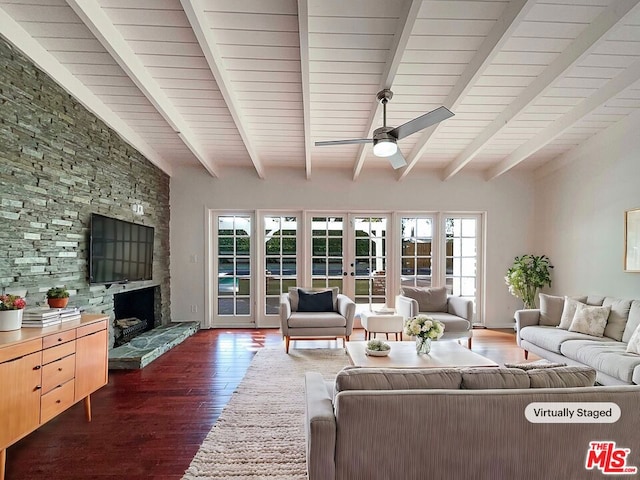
(422, 122)
(397, 160)
(344, 142)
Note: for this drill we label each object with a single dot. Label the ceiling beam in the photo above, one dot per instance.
(406, 21)
(303, 31)
(605, 93)
(196, 14)
(582, 46)
(93, 16)
(24, 42)
(510, 19)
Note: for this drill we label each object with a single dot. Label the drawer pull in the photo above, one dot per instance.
(57, 401)
(38, 387)
(37, 367)
(59, 339)
(60, 369)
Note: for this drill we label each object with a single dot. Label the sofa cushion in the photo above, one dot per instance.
(550, 309)
(551, 338)
(632, 322)
(452, 323)
(562, 377)
(430, 299)
(636, 375)
(608, 357)
(398, 379)
(293, 296)
(486, 378)
(590, 320)
(316, 319)
(617, 320)
(568, 312)
(594, 300)
(634, 342)
(315, 301)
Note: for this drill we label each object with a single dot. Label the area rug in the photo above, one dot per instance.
(260, 433)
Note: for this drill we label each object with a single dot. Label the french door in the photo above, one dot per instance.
(349, 251)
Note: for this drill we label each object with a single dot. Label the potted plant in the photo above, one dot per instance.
(57, 297)
(11, 307)
(377, 348)
(528, 274)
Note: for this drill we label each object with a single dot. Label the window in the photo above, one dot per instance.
(280, 259)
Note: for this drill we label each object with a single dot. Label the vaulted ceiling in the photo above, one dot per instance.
(255, 83)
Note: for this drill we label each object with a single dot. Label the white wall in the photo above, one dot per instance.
(580, 213)
(507, 201)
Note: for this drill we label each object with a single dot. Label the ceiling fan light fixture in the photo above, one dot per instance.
(385, 147)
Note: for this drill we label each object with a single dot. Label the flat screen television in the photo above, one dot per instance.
(119, 251)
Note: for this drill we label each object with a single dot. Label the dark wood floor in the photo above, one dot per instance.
(148, 424)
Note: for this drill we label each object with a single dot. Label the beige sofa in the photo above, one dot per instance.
(455, 312)
(376, 424)
(538, 331)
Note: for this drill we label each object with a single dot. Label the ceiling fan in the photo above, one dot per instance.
(385, 138)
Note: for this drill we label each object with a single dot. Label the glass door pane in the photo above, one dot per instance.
(281, 267)
(370, 260)
(233, 284)
(417, 250)
(461, 236)
(327, 257)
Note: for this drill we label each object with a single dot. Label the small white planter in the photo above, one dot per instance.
(10, 320)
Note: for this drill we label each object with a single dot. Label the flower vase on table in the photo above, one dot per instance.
(425, 329)
(423, 345)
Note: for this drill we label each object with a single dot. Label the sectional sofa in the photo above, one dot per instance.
(547, 332)
(378, 424)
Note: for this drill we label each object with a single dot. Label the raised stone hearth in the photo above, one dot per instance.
(148, 346)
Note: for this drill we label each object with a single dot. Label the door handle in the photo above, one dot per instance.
(352, 274)
(344, 273)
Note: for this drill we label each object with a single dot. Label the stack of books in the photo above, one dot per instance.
(40, 317)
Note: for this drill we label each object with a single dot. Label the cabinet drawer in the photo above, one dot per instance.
(58, 338)
(89, 329)
(56, 401)
(58, 372)
(56, 353)
(20, 350)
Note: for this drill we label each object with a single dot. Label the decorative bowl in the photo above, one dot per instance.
(378, 353)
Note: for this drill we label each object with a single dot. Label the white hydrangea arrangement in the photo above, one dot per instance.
(378, 346)
(424, 326)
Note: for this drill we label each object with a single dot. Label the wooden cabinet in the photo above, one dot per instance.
(45, 371)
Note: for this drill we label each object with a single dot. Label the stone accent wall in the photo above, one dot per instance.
(58, 164)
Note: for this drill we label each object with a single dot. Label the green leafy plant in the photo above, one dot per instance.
(57, 292)
(528, 274)
(378, 346)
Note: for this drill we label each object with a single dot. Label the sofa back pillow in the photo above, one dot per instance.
(315, 301)
(634, 342)
(632, 322)
(562, 377)
(293, 296)
(487, 378)
(430, 299)
(550, 310)
(397, 379)
(618, 317)
(590, 320)
(568, 312)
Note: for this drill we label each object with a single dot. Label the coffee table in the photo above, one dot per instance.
(444, 353)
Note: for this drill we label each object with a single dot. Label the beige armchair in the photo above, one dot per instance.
(300, 322)
(455, 312)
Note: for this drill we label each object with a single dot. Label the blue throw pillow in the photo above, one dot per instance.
(315, 301)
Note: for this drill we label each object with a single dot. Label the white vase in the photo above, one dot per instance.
(10, 320)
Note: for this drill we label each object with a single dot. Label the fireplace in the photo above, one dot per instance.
(135, 311)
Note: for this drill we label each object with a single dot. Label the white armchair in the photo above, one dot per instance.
(333, 323)
(455, 312)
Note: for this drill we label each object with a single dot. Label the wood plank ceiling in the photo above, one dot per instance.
(253, 84)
